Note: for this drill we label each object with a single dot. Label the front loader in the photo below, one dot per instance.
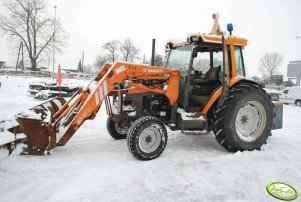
(202, 88)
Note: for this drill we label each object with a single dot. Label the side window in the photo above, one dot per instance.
(202, 62)
(218, 59)
(239, 61)
(285, 92)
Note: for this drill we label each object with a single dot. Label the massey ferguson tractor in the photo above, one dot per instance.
(201, 88)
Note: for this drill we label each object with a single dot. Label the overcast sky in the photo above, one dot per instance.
(268, 25)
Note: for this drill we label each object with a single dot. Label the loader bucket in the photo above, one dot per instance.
(36, 135)
(30, 127)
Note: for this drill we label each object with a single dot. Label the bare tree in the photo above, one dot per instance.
(269, 64)
(112, 48)
(128, 50)
(158, 60)
(101, 60)
(29, 21)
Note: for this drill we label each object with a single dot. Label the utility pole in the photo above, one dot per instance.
(48, 67)
(298, 77)
(83, 55)
(53, 59)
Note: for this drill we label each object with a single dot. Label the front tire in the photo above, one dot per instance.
(115, 131)
(298, 103)
(244, 122)
(147, 138)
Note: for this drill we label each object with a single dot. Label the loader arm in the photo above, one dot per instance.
(86, 104)
(61, 119)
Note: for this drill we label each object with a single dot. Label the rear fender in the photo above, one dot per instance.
(277, 115)
(218, 92)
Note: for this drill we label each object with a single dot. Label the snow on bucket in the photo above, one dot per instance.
(32, 124)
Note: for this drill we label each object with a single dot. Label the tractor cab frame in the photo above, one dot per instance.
(207, 64)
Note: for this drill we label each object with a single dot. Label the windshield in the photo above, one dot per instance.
(179, 58)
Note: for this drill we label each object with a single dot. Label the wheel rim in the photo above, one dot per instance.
(120, 130)
(149, 139)
(298, 103)
(250, 121)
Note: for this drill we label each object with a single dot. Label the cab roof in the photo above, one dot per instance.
(214, 39)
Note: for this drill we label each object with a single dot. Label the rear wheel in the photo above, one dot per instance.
(244, 121)
(147, 138)
(115, 130)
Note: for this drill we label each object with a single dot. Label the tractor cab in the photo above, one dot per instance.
(205, 62)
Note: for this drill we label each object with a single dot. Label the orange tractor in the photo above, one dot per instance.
(202, 87)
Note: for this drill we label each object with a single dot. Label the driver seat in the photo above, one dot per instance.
(211, 77)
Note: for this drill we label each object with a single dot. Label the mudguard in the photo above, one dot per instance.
(277, 115)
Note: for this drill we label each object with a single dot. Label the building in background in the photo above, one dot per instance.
(294, 71)
(2, 64)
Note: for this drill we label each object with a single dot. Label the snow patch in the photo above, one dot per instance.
(92, 166)
(190, 116)
(30, 114)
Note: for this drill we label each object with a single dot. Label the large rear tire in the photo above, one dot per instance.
(115, 131)
(244, 121)
(147, 138)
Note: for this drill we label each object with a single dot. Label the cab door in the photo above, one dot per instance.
(180, 58)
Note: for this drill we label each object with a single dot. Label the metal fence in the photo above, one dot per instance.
(44, 74)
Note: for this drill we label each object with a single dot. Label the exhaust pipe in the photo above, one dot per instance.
(153, 52)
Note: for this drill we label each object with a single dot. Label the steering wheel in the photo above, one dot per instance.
(197, 72)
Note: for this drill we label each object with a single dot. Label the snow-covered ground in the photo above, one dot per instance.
(94, 167)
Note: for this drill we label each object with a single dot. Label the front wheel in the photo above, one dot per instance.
(147, 138)
(244, 121)
(115, 130)
(298, 103)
